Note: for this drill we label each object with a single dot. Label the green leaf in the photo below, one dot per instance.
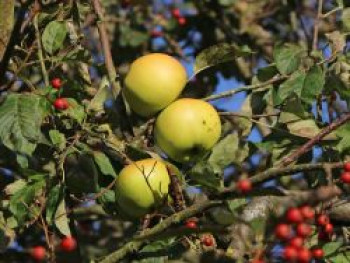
(61, 219)
(52, 203)
(313, 84)
(104, 164)
(17, 185)
(227, 2)
(104, 93)
(227, 151)
(54, 35)
(292, 85)
(21, 116)
(288, 57)
(343, 134)
(218, 54)
(331, 248)
(206, 175)
(346, 19)
(58, 139)
(21, 201)
(75, 111)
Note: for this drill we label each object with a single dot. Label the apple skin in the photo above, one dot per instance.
(135, 195)
(153, 82)
(187, 129)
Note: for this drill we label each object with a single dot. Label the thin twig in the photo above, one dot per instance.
(40, 51)
(231, 92)
(317, 25)
(309, 144)
(139, 240)
(112, 74)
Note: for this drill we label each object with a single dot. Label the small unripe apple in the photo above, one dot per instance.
(153, 82)
(187, 129)
(142, 186)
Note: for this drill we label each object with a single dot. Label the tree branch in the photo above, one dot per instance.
(112, 74)
(275, 172)
(309, 144)
(139, 240)
(231, 92)
(317, 25)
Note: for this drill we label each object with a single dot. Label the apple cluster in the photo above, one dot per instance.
(185, 130)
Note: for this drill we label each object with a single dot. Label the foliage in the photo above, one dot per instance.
(58, 167)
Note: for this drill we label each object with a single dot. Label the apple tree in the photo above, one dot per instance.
(174, 131)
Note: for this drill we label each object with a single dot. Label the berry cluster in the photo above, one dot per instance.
(176, 13)
(297, 229)
(68, 244)
(206, 240)
(59, 103)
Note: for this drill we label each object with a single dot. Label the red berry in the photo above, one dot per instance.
(294, 215)
(176, 13)
(38, 253)
(244, 185)
(191, 224)
(345, 177)
(182, 21)
(296, 242)
(290, 253)
(307, 212)
(68, 244)
(61, 104)
(328, 228)
(56, 83)
(283, 231)
(156, 33)
(303, 230)
(322, 220)
(347, 167)
(304, 255)
(208, 241)
(317, 253)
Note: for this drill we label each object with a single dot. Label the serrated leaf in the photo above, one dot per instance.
(218, 54)
(52, 203)
(61, 219)
(104, 164)
(313, 84)
(227, 151)
(53, 36)
(288, 57)
(58, 139)
(21, 116)
(292, 85)
(20, 202)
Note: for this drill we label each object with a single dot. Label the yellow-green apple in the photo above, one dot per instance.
(187, 129)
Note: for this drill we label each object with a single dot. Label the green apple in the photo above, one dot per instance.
(142, 186)
(187, 129)
(153, 82)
